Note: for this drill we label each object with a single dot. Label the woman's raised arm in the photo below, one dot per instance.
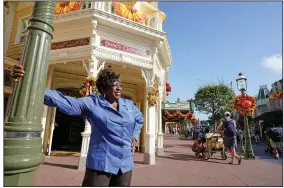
(67, 105)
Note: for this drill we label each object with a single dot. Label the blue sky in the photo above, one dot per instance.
(213, 41)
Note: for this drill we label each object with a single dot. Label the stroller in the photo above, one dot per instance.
(214, 144)
(270, 134)
(268, 148)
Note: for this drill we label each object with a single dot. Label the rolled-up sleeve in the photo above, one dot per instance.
(139, 120)
(67, 105)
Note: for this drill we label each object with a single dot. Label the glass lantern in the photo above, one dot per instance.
(241, 83)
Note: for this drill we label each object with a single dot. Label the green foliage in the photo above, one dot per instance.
(214, 100)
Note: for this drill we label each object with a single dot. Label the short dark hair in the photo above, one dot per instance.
(105, 79)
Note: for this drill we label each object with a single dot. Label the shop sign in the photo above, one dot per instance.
(124, 48)
(177, 106)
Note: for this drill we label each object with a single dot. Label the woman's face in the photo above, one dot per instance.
(114, 91)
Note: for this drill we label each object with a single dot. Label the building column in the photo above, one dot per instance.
(149, 155)
(144, 128)
(160, 143)
(45, 108)
(93, 69)
(150, 137)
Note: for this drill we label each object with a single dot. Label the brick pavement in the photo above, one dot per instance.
(177, 167)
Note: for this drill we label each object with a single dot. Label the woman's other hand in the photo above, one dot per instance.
(17, 72)
(133, 145)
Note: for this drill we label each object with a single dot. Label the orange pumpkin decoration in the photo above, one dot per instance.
(246, 104)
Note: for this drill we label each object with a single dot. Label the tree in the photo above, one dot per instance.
(214, 100)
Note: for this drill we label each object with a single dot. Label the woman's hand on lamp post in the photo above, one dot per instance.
(17, 72)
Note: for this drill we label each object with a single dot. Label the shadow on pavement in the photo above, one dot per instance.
(184, 157)
(61, 165)
(168, 146)
(138, 162)
(170, 152)
(185, 145)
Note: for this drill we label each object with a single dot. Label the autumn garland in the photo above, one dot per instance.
(277, 94)
(178, 114)
(88, 87)
(65, 7)
(244, 104)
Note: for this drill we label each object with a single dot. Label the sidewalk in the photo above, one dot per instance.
(177, 167)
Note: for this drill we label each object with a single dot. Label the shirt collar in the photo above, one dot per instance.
(104, 102)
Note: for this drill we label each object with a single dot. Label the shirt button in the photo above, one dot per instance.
(122, 146)
(122, 125)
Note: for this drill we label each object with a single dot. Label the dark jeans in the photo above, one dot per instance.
(94, 178)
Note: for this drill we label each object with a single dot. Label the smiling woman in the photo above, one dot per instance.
(110, 116)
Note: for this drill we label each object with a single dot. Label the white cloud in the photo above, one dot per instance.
(273, 63)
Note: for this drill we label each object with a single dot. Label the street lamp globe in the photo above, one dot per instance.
(241, 83)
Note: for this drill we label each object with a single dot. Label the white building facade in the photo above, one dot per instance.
(94, 36)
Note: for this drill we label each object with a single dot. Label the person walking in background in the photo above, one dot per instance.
(115, 124)
(240, 133)
(230, 136)
(257, 135)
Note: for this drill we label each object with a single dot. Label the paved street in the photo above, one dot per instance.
(177, 167)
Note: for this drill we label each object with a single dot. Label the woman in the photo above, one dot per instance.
(116, 124)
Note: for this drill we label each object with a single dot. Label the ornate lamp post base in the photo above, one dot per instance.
(249, 155)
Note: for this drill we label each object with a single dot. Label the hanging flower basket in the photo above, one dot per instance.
(153, 96)
(244, 104)
(168, 88)
(88, 87)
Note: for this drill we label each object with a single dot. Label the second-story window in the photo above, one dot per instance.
(22, 30)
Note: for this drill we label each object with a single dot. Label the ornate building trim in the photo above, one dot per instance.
(70, 43)
(70, 53)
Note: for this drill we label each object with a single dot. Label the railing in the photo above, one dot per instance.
(107, 6)
(150, 21)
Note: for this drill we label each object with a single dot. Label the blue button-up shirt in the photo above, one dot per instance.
(112, 131)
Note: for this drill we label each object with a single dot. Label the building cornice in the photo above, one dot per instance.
(128, 23)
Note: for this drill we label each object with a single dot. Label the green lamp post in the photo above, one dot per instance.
(22, 131)
(242, 87)
(242, 149)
